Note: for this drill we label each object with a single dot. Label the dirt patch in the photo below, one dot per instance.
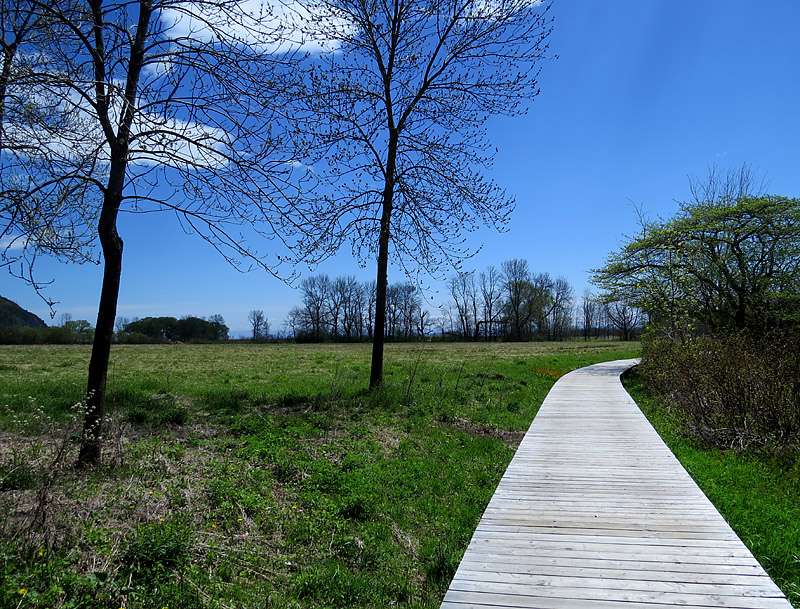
(481, 430)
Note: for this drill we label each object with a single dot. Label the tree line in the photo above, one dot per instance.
(510, 303)
(136, 331)
(170, 329)
(343, 308)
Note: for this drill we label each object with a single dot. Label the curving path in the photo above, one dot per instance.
(594, 512)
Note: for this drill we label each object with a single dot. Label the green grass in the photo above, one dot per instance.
(758, 494)
(260, 475)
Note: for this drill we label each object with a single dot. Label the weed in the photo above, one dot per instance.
(441, 562)
(228, 402)
(158, 550)
(333, 585)
(356, 507)
(18, 474)
(549, 373)
(173, 416)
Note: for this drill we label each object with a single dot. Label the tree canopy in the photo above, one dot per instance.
(396, 117)
(185, 329)
(724, 263)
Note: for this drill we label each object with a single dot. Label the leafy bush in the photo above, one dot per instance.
(732, 391)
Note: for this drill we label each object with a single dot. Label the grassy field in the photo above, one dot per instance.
(758, 494)
(260, 475)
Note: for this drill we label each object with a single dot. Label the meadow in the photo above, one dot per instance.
(243, 475)
(266, 476)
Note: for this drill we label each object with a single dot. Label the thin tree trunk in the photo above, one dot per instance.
(379, 334)
(104, 333)
(110, 241)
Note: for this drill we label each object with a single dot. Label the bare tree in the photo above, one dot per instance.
(491, 299)
(370, 291)
(259, 324)
(46, 207)
(541, 302)
(316, 305)
(589, 314)
(294, 321)
(517, 290)
(140, 106)
(397, 113)
(353, 302)
(465, 298)
(624, 317)
(563, 299)
(720, 187)
(423, 323)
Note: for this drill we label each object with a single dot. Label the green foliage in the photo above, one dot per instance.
(167, 329)
(333, 585)
(72, 332)
(157, 550)
(727, 263)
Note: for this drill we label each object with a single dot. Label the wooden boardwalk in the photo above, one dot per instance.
(594, 512)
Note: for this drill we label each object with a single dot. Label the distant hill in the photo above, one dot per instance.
(11, 314)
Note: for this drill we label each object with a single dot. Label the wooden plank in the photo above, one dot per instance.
(620, 569)
(761, 588)
(594, 511)
(721, 599)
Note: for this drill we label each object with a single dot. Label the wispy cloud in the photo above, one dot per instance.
(13, 243)
(266, 26)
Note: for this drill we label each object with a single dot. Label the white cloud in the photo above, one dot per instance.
(13, 243)
(267, 26)
(174, 142)
(168, 141)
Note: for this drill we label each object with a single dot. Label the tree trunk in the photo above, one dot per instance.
(110, 241)
(104, 331)
(379, 334)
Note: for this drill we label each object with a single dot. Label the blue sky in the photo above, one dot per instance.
(644, 94)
